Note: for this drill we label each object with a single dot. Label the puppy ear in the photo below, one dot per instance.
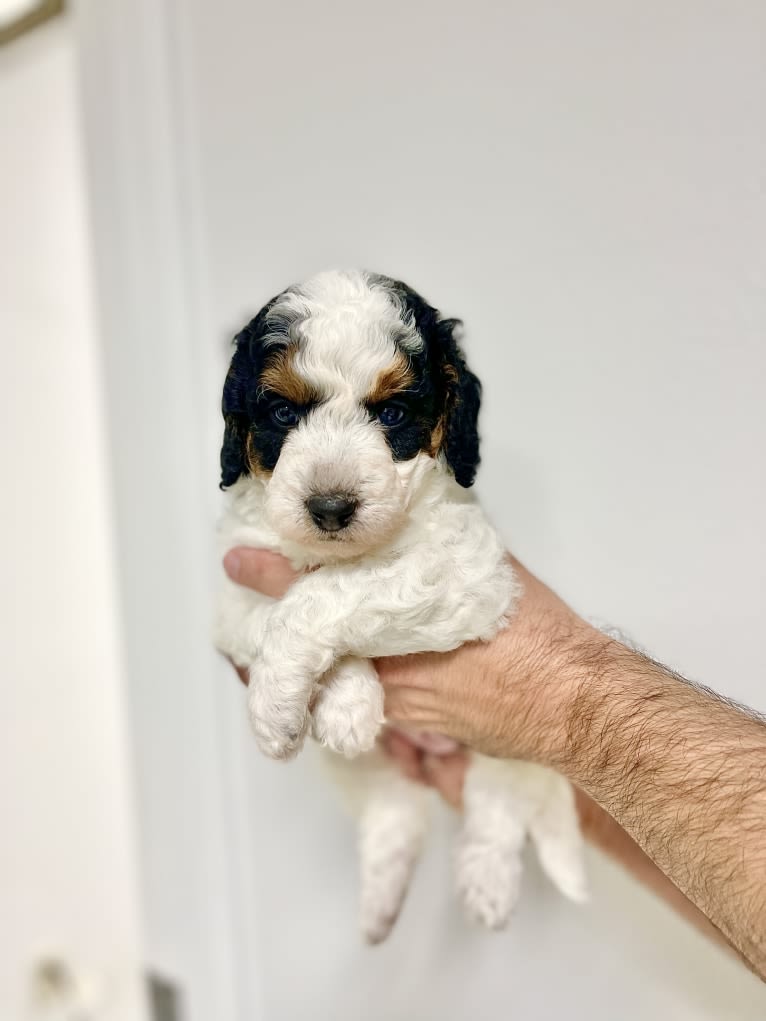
(233, 463)
(459, 390)
(462, 400)
(238, 390)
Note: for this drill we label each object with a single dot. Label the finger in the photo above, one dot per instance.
(446, 774)
(407, 705)
(404, 753)
(259, 569)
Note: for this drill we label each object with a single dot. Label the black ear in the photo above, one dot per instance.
(233, 463)
(458, 389)
(239, 390)
(462, 401)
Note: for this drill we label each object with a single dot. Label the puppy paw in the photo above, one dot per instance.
(348, 712)
(376, 924)
(279, 722)
(383, 893)
(488, 881)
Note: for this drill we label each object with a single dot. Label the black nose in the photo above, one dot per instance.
(331, 511)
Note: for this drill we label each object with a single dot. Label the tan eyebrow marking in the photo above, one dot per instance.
(281, 376)
(397, 378)
(253, 460)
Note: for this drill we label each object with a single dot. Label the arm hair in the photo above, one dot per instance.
(684, 772)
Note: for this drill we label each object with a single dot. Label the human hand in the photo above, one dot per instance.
(445, 773)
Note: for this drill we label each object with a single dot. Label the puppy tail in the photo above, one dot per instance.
(555, 832)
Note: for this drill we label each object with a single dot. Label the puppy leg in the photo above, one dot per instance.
(391, 831)
(488, 861)
(240, 615)
(503, 802)
(347, 713)
(555, 831)
(392, 817)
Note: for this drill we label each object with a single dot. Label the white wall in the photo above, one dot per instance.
(67, 856)
(582, 184)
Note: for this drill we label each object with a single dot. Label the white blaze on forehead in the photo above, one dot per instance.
(348, 331)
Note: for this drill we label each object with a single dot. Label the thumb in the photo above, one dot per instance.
(259, 569)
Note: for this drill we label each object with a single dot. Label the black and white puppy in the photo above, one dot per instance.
(350, 447)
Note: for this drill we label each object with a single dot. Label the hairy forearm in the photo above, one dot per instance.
(683, 771)
(603, 832)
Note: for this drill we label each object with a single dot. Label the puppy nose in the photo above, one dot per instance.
(331, 511)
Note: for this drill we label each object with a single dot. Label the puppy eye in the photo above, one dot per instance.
(284, 414)
(391, 415)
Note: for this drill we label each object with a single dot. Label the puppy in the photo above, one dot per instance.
(350, 446)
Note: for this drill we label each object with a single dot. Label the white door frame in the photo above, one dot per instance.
(162, 369)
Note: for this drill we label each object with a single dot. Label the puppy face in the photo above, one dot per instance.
(338, 390)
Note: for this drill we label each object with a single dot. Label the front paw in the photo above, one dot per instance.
(348, 711)
(279, 719)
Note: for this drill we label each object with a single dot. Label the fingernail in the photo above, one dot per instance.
(232, 564)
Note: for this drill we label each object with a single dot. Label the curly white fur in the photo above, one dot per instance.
(425, 571)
